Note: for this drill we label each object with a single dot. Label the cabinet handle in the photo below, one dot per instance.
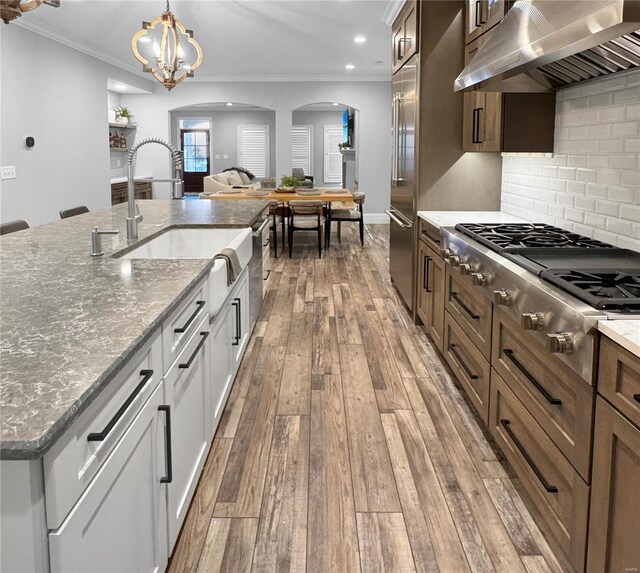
(454, 351)
(478, 17)
(454, 296)
(400, 50)
(474, 124)
(238, 304)
(636, 397)
(436, 241)
(200, 304)
(548, 397)
(167, 445)
(187, 364)
(478, 140)
(425, 274)
(100, 436)
(545, 484)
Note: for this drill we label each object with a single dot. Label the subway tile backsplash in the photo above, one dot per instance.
(591, 184)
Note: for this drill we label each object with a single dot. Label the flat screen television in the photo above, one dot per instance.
(347, 127)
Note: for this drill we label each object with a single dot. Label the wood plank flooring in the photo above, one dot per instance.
(346, 447)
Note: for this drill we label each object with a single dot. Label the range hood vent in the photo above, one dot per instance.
(545, 45)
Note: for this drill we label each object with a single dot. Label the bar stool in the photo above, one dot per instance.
(13, 226)
(66, 213)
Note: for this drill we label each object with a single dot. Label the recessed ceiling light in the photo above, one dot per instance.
(335, 103)
(350, 67)
(229, 104)
(359, 39)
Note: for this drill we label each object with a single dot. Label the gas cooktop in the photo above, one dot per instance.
(603, 276)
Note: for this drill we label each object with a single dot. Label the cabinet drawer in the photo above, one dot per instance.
(557, 490)
(619, 378)
(74, 460)
(470, 308)
(431, 236)
(183, 322)
(559, 400)
(470, 367)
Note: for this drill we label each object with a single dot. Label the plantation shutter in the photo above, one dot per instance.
(253, 148)
(301, 136)
(333, 136)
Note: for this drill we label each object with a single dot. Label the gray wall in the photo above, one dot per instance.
(318, 119)
(59, 96)
(224, 133)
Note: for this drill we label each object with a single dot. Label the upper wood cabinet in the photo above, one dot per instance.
(405, 35)
(482, 15)
(516, 122)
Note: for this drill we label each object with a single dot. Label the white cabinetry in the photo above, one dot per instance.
(221, 366)
(119, 524)
(240, 308)
(188, 392)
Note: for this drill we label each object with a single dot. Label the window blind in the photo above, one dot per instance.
(301, 154)
(253, 148)
(332, 156)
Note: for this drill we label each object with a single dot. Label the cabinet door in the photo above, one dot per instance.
(437, 279)
(615, 499)
(398, 41)
(188, 390)
(240, 319)
(221, 366)
(119, 523)
(410, 27)
(424, 287)
(474, 20)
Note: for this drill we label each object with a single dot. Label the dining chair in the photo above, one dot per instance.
(66, 213)
(277, 212)
(13, 226)
(305, 180)
(306, 216)
(349, 215)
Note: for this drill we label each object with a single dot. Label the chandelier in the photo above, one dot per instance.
(12, 9)
(167, 50)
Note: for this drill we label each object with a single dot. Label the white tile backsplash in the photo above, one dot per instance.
(591, 184)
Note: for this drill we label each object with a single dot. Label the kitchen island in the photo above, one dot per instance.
(114, 372)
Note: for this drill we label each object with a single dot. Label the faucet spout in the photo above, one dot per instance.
(133, 213)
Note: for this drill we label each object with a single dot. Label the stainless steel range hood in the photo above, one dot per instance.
(544, 45)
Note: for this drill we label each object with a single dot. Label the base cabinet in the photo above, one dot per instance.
(119, 523)
(431, 273)
(614, 543)
(222, 371)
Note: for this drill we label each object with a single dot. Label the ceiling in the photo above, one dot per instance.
(242, 40)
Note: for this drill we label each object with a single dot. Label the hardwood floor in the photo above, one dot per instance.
(345, 446)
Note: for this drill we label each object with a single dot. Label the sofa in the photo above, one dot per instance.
(228, 179)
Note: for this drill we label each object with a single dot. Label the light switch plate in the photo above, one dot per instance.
(9, 172)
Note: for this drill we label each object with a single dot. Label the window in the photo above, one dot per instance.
(332, 156)
(301, 153)
(253, 148)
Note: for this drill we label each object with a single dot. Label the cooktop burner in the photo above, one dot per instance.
(505, 237)
(602, 289)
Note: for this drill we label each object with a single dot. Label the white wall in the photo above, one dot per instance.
(591, 184)
(372, 99)
(318, 119)
(59, 96)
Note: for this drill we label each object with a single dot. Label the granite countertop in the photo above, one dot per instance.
(452, 218)
(625, 332)
(69, 321)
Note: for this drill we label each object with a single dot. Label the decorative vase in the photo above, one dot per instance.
(122, 120)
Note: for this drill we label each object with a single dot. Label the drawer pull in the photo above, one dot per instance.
(456, 353)
(200, 304)
(100, 436)
(425, 274)
(266, 278)
(548, 397)
(636, 397)
(454, 296)
(550, 488)
(237, 303)
(167, 445)
(187, 364)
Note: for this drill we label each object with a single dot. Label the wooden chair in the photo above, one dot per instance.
(13, 226)
(349, 215)
(306, 216)
(66, 213)
(305, 180)
(277, 212)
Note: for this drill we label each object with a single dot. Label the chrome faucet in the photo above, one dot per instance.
(134, 216)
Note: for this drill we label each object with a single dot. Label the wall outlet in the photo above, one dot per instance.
(9, 172)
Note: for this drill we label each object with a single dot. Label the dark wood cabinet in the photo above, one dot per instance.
(431, 277)
(614, 544)
(482, 15)
(143, 190)
(405, 34)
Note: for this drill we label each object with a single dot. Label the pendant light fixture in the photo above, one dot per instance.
(167, 50)
(12, 9)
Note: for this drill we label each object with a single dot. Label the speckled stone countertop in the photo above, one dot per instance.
(452, 218)
(69, 321)
(625, 332)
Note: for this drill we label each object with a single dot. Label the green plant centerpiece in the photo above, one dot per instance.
(344, 146)
(123, 115)
(289, 182)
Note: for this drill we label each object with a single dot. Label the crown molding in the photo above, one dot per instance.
(392, 11)
(72, 43)
(288, 78)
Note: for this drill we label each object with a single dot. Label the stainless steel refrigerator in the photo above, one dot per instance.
(402, 211)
